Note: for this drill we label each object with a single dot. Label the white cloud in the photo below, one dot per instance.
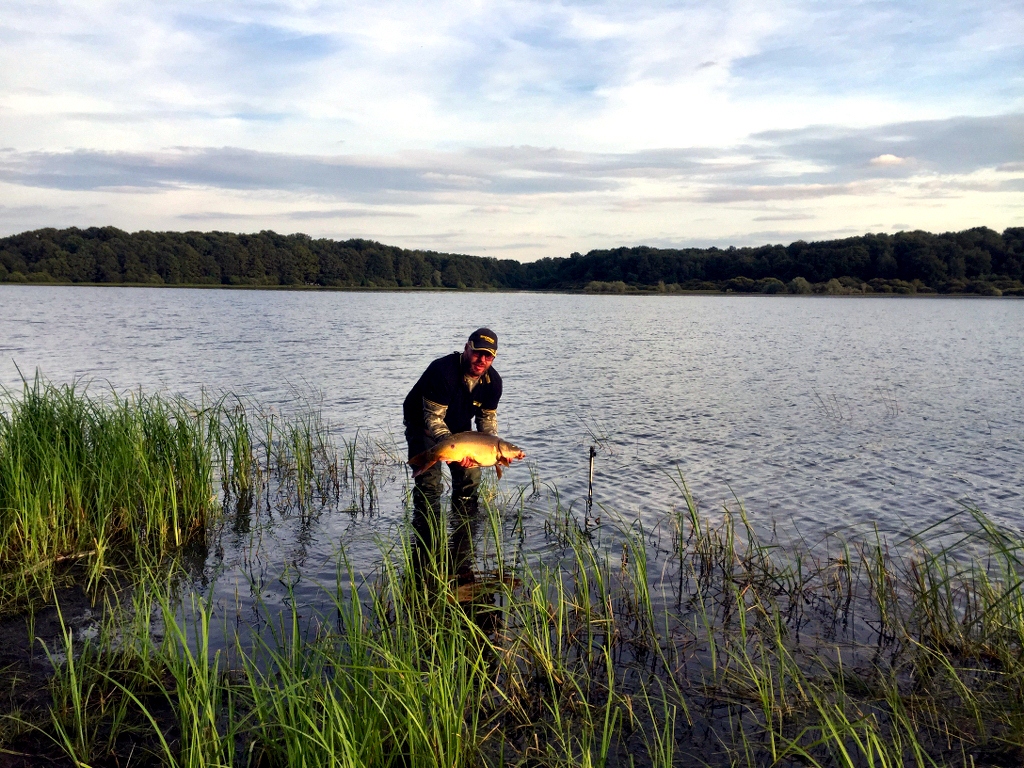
(888, 160)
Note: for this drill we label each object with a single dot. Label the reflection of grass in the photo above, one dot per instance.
(735, 653)
(888, 398)
(831, 406)
(597, 433)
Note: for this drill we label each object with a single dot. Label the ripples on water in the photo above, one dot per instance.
(817, 413)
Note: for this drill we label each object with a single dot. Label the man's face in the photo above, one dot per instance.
(476, 362)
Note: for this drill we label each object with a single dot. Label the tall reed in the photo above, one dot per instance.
(83, 477)
(120, 479)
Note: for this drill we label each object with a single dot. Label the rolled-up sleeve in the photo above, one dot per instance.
(487, 421)
(433, 419)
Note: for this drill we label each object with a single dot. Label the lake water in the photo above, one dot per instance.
(817, 413)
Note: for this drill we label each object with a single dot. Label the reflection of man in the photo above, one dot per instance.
(451, 393)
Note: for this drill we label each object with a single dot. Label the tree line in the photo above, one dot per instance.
(978, 260)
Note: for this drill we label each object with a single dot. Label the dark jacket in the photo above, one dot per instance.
(443, 383)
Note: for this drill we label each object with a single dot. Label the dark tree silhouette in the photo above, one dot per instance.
(977, 260)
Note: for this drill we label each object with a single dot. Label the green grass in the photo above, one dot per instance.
(690, 643)
(103, 482)
(94, 481)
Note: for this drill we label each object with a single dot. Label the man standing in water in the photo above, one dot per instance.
(451, 393)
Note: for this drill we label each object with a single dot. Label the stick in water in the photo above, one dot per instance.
(590, 487)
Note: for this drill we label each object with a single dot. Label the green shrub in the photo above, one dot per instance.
(985, 289)
(771, 285)
(799, 285)
(832, 288)
(596, 286)
(740, 285)
(855, 285)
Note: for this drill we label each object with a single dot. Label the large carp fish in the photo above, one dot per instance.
(485, 450)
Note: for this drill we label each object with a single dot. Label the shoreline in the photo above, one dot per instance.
(562, 292)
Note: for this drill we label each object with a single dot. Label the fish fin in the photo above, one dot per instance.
(423, 457)
(423, 461)
(497, 469)
(419, 470)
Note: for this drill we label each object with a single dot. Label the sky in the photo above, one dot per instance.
(514, 129)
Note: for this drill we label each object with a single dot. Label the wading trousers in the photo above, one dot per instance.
(427, 517)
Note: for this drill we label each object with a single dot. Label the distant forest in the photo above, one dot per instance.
(978, 261)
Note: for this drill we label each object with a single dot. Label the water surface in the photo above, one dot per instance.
(817, 413)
